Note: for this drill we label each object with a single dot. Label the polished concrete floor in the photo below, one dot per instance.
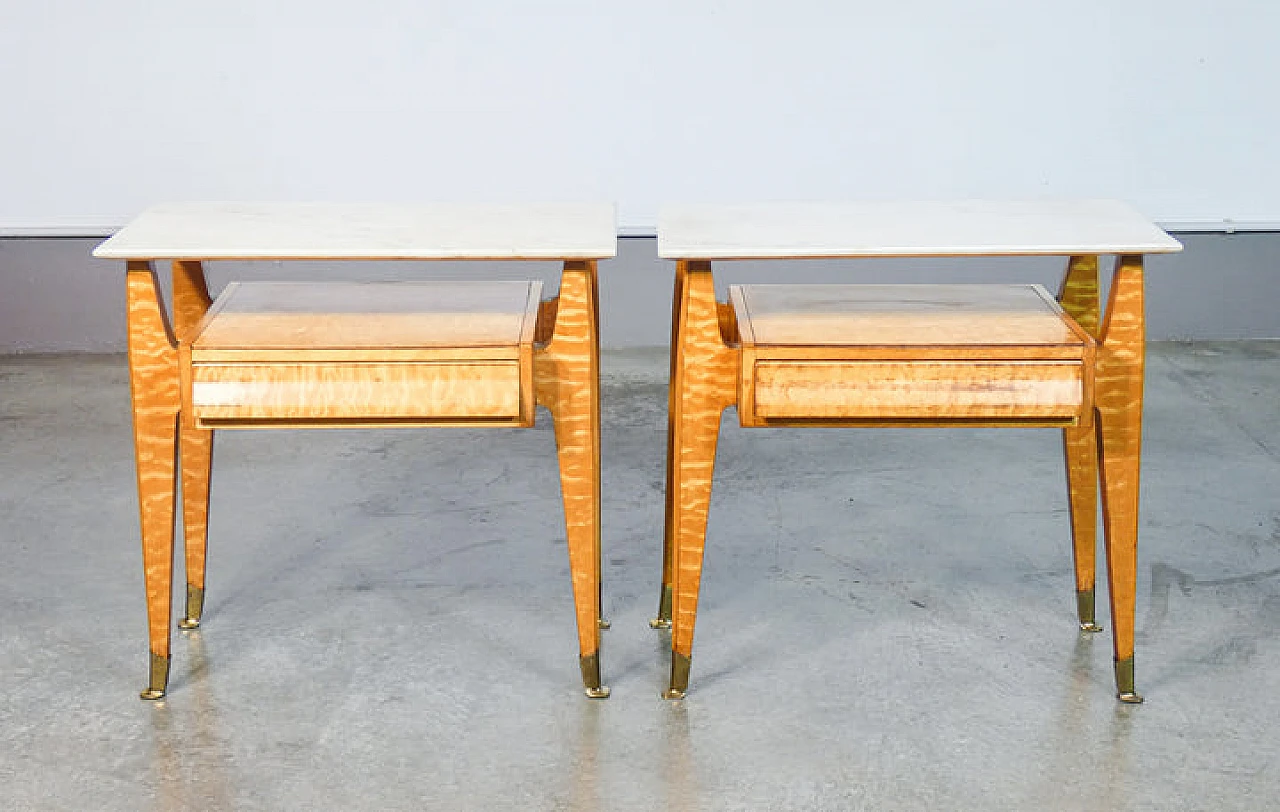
(886, 624)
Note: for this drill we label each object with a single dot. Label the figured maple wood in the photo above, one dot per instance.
(728, 317)
(1119, 403)
(918, 389)
(794, 345)
(474, 341)
(191, 301)
(913, 316)
(706, 381)
(428, 390)
(251, 355)
(546, 320)
(357, 353)
(567, 383)
(942, 352)
(330, 316)
(1079, 295)
(1080, 299)
(154, 388)
(673, 409)
(855, 354)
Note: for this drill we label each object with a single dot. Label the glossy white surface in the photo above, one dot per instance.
(355, 231)
(904, 229)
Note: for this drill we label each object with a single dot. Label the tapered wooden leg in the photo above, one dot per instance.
(153, 383)
(663, 619)
(601, 620)
(196, 449)
(190, 302)
(1079, 297)
(567, 382)
(1081, 450)
(696, 435)
(1119, 426)
(705, 385)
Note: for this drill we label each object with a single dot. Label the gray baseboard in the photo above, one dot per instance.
(54, 297)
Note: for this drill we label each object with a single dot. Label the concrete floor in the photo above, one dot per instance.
(887, 616)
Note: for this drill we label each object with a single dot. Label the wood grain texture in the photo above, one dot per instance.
(254, 355)
(852, 354)
(280, 360)
(301, 353)
(1121, 357)
(369, 316)
(546, 320)
(941, 352)
(154, 387)
(915, 423)
(445, 390)
(803, 378)
(567, 383)
(1080, 299)
(1080, 292)
(191, 301)
(903, 316)
(706, 384)
(668, 527)
(917, 389)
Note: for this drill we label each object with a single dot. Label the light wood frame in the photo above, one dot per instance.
(559, 364)
(711, 369)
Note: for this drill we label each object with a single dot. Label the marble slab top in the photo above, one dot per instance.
(907, 229)
(212, 231)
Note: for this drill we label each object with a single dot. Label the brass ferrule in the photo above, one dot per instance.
(1125, 691)
(679, 676)
(590, 665)
(195, 608)
(663, 620)
(1084, 607)
(159, 678)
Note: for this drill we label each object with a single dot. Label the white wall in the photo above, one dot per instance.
(54, 297)
(109, 107)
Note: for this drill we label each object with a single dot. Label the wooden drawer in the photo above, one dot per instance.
(910, 355)
(909, 390)
(462, 392)
(276, 354)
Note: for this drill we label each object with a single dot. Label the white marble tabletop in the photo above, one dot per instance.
(907, 229)
(356, 231)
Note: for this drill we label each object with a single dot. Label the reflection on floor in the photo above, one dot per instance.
(887, 618)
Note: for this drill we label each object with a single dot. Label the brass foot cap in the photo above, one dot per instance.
(152, 694)
(1090, 627)
(605, 624)
(1130, 698)
(660, 623)
(601, 692)
(673, 693)
(189, 623)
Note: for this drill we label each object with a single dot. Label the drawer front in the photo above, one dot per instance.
(354, 391)
(915, 390)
